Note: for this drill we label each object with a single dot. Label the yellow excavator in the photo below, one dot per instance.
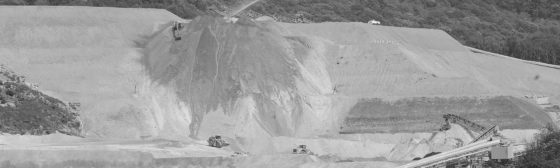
(177, 26)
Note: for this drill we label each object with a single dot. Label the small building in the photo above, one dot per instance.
(542, 100)
(374, 22)
(265, 18)
(231, 19)
(11, 104)
(502, 152)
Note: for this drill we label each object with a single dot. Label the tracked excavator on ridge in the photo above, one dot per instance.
(177, 26)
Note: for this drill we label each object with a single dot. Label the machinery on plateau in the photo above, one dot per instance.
(217, 142)
(302, 149)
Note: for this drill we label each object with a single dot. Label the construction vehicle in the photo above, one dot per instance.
(240, 154)
(472, 127)
(217, 142)
(374, 22)
(487, 145)
(302, 149)
(175, 30)
(452, 118)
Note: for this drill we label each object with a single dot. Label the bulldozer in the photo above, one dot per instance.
(217, 142)
(302, 149)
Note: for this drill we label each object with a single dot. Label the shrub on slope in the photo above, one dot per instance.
(24, 110)
(544, 152)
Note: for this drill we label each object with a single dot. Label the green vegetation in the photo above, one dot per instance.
(24, 110)
(526, 29)
(544, 152)
(27, 111)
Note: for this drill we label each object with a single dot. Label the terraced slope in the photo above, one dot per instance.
(391, 62)
(254, 81)
(405, 79)
(87, 55)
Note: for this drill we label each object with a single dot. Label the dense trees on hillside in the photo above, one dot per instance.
(25, 110)
(544, 152)
(526, 29)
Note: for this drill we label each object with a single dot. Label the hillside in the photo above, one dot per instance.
(264, 86)
(26, 111)
(271, 79)
(523, 29)
(86, 55)
(528, 30)
(259, 80)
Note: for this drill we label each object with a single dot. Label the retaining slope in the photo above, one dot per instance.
(88, 55)
(405, 79)
(249, 81)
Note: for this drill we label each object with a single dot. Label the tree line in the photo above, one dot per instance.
(525, 29)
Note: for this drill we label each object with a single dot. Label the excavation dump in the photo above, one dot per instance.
(154, 89)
